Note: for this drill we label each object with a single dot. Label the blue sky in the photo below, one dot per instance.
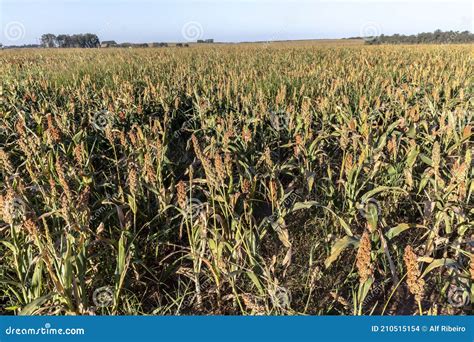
(23, 21)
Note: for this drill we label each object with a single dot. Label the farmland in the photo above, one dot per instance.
(285, 178)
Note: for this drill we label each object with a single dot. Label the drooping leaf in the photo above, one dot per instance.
(439, 263)
(31, 307)
(400, 228)
(339, 246)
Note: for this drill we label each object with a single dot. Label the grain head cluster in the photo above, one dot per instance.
(245, 179)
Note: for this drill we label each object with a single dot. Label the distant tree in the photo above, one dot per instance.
(90, 40)
(48, 40)
(87, 40)
(62, 40)
(436, 37)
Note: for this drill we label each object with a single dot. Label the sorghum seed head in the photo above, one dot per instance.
(220, 168)
(245, 186)
(436, 156)
(415, 282)
(181, 193)
(363, 259)
(132, 180)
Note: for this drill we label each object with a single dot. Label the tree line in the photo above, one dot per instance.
(86, 40)
(436, 37)
(89, 40)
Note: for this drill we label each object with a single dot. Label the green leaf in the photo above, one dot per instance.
(412, 131)
(439, 263)
(368, 195)
(372, 215)
(382, 142)
(364, 289)
(426, 160)
(256, 282)
(10, 246)
(31, 307)
(423, 183)
(411, 158)
(309, 204)
(121, 255)
(339, 246)
(305, 205)
(67, 264)
(310, 180)
(37, 279)
(132, 203)
(397, 230)
(77, 137)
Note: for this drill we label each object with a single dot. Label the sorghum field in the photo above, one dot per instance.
(237, 179)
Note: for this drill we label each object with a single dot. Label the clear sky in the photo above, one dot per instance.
(23, 21)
